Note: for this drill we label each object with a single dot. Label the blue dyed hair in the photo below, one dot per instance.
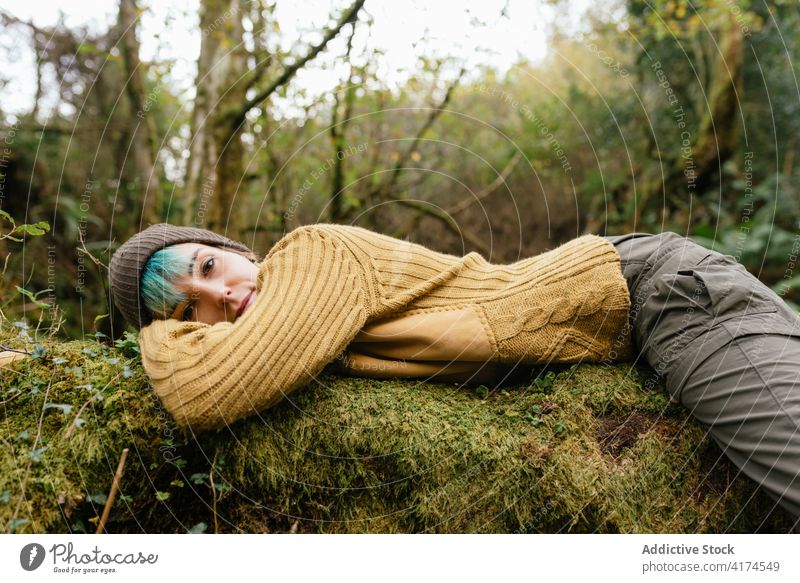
(159, 295)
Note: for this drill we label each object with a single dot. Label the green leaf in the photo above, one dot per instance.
(34, 230)
(36, 454)
(39, 351)
(198, 528)
(64, 407)
(15, 523)
(97, 498)
(482, 391)
(162, 496)
(198, 478)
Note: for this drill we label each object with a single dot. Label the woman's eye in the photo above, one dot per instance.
(206, 269)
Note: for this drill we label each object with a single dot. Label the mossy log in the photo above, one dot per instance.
(580, 448)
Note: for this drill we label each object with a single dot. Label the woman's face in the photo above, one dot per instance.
(220, 283)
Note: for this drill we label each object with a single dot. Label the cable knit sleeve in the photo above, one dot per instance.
(309, 306)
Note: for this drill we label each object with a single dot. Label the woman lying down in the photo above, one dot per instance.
(224, 335)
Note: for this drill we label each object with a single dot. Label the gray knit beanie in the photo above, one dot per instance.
(127, 263)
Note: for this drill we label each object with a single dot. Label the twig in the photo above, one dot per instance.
(11, 398)
(98, 264)
(89, 253)
(101, 526)
(501, 178)
(446, 221)
(238, 115)
(214, 491)
(7, 349)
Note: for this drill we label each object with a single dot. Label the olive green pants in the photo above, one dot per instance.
(728, 349)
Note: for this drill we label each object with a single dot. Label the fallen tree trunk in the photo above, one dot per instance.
(582, 448)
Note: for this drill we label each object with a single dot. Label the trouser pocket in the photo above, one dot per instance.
(727, 289)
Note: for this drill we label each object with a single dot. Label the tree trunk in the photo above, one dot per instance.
(215, 165)
(144, 147)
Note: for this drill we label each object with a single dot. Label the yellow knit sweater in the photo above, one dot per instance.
(324, 286)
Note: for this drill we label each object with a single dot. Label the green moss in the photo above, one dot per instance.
(582, 448)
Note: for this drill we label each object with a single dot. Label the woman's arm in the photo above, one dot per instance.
(355, 363)
(310, 305)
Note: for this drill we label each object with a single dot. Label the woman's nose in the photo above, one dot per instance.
(219, 294)
(224, 295)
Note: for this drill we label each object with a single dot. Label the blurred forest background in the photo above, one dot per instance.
(650, 115)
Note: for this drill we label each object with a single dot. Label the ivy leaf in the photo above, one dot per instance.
(64, 407)
(39, 351)
(14, 524)
(36, 454)
(128, 344)
(198, 478)
(98, 498)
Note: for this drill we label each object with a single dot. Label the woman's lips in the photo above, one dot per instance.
(245, 304)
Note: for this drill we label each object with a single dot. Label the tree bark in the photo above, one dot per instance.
(215, 154)
(144, 146)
